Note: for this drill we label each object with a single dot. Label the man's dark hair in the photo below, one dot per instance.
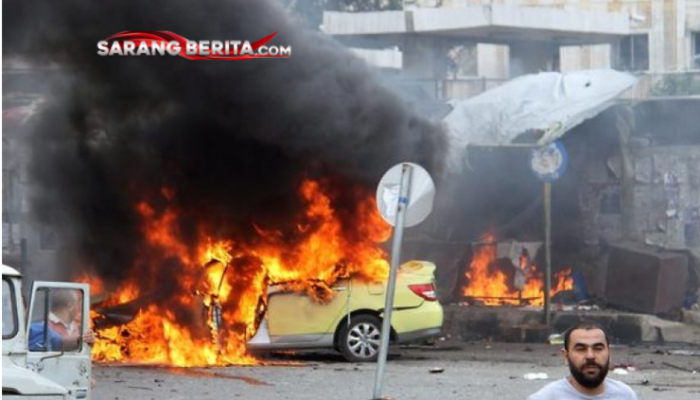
(585, 325)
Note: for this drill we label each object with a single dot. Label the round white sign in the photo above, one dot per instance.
(549, 162)
(420, 195)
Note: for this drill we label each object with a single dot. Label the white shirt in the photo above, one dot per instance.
(71, 328)
(563, 390)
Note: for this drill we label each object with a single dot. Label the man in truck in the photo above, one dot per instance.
(63, 333)
(34, 374)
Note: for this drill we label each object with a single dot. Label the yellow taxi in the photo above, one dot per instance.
(351, 320)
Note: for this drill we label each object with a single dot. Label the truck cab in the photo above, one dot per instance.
(43, 354)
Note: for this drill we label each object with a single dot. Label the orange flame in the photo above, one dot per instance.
(493, 286)
(215, 289)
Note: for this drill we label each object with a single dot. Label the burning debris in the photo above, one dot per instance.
(220, 295)
(152, 167)
(495, 278)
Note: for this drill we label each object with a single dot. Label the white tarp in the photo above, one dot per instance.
(549, 102)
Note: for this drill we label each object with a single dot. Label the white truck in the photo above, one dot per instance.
(43, 354)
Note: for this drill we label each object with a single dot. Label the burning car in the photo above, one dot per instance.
(349, 319)
(206, 313)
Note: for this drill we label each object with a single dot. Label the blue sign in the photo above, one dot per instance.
(549, 162)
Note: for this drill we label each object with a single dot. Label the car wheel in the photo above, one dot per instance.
(359, 340)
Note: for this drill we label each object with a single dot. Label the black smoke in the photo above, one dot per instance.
(231, 139)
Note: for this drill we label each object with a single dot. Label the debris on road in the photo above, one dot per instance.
(531, 376)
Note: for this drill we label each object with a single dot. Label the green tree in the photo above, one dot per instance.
(677, 85)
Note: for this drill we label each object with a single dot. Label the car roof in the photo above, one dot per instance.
(9, 271)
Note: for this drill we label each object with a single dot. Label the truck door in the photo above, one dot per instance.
(58, 317)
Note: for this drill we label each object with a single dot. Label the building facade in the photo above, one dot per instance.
(458, 48)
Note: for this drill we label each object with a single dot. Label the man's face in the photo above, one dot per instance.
(588, 357)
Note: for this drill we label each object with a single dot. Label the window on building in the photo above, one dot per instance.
(632, 53)
(695, 50)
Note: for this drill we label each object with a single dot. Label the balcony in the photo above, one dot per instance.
(487, 23)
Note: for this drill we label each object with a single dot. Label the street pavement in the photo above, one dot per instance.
(476, 370)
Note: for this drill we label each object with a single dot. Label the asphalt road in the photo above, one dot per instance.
(444, 371)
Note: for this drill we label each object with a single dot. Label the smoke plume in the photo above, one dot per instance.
(225, 141)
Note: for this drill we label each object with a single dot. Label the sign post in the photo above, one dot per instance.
(405, 198)
(548, 163)
(548, 252)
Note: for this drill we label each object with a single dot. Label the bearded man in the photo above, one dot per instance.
(587, 353)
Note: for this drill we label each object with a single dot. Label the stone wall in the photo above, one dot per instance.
(666, 198)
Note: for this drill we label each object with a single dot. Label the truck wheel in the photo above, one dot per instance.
(359, 340)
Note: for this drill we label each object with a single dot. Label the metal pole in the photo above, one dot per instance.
(547, 248)
(24, 262)
(404, 188)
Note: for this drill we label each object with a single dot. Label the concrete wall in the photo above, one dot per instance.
(666, 198)
(574, 58)
(668, 23)
(493, 61)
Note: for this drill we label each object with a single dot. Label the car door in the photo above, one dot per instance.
(68, 364)
(298, 318)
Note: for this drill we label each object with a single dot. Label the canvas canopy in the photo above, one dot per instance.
(548, 104)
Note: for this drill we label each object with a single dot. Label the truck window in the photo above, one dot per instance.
(9, 310)
(55, 321)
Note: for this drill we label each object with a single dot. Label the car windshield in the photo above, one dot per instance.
(9, 311)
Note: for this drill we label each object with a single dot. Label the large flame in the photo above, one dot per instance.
(491, 285)
(198, 306)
